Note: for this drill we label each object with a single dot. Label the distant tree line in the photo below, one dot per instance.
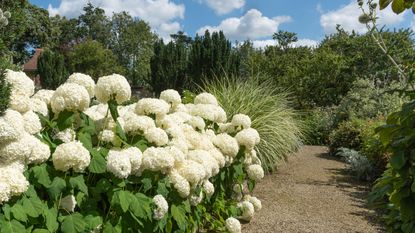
(96, 44)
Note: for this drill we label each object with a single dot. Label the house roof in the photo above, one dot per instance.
(31, 65)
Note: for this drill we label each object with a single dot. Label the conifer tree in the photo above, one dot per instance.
(51, 68)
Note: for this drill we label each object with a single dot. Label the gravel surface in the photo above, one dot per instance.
(312, 192)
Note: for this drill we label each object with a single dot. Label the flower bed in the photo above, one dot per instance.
(78, 160)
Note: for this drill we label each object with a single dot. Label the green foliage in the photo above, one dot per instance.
(51, 69)
(91, 58)
(371, 146)
(395, 190)
(169, 66)
(398, 6)
(278, 124)
(319, 122)
(365, 100)
(359, 165)
(347, 135)
(5, 90)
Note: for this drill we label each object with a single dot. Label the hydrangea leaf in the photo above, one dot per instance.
(51, 216)
(79, 183)
(56, 187)
(19, 212)
(98, 164)
(178, 214)
(65, 120)
(41, 175)
(73, 223)
(12, 226)
(120, 198)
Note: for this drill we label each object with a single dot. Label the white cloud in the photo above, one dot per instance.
(300, 42)
(305, 42)
(347, 16)
(160, 14)
(222, 7)
(252, 25)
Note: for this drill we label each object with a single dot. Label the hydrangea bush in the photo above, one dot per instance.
(77, 160)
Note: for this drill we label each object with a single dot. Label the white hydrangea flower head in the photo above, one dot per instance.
(241, 121)
(134, 124)
(152, 106)
(71, 97)
(205, 98)
(179, 117)
(226, 128)
(226, 144)
(206, 160)
(208, 112)
(113, 85)
(136, 157)
(247, 210)
(68, 203)
(71, 155)
(209, 188)
(16, 150)
(40, 152)
(233, 225)
(248, 138)
(180, 184)
(180, 144)
(12, 176)
(218, 156)
(196, 199)
(20, 103)
(181, 108)
(196, 140)
(11, 126)
(67, 135)
(254, 201)
(255, 172)
(20, 82)
(210, 134)
(162, 207)
(44, 95)
(5, 193)
(32, 123)
(156, 136)
(172, 97)
(157, 159)
(166, 121)
(118, 163)
(38, 106)
(83, 80)
(192, 171)
(197, 123)
(237, 188)
(177, 154)
(108, 136)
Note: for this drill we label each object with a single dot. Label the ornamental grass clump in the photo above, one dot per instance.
(157, 165)
(268, 109)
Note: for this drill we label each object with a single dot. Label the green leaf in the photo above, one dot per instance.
(147, 184)
(408, 209)
(407, 227)
(65, 120)
(108, 228)
(140, 207)
(12, 226)
(73, 223)
(120, 198)
(178, 214)
(41, 175)
(33, 207)
(162, 188)
(398, 160)
(40, 231)
(93, 221)
(98, 163)
(112, 104)
(55, 189)
(119, 132)
(384, 3)
(398, 6)
(79, 183)
(85, 139)
(51, 217)
(19, 212)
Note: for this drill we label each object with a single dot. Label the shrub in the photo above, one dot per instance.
(153, 166)
(371, 146)
(278, 124)
(51, 69)
(348, 135)
(359, 165)
(319, 123)
(394, 192)
(365, 100)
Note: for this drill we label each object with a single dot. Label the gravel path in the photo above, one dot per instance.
(312, 193)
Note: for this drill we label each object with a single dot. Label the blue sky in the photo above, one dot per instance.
(256, 20)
